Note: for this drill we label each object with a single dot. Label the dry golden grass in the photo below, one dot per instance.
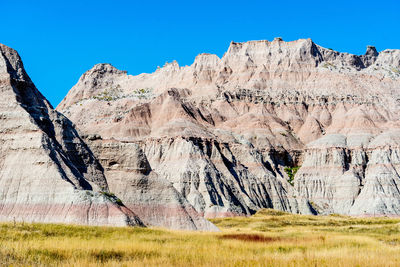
(269, 238)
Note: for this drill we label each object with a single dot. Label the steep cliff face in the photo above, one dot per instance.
(47, 173)
(353, 174)
(224, 130)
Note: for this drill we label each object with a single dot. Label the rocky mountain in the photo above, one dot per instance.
(49, 174)
(230, 133)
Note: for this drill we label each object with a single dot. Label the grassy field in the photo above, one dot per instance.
(265, 239)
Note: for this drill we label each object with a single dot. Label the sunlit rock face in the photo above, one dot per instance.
(153, 198)
(47, 173)
(223, 130)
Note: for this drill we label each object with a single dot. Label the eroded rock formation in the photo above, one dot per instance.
(223, 130)
(49, 174)
(151, 197)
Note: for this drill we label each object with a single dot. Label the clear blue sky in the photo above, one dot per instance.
(59, 40)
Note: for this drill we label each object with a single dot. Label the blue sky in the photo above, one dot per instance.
(59, 40)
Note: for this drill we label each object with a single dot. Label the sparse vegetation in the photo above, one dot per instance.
(291, 172)
(269, 238)
(106, 95)
(117, 93)
(395, 70)
(328, 65)
(142, 93)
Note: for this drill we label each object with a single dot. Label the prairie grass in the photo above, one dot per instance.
(269, 238)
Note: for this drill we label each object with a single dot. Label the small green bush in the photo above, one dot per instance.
(395, 70)
(291, 172)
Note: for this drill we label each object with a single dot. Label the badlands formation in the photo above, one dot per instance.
(225, 136)
(49, 174)
(285, 125)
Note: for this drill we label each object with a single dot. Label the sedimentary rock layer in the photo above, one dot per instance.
(47, 173)
(228, 132)
(151, 197)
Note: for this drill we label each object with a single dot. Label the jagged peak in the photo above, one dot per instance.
(11, 64)
(173, 63)
(168, 66)
(371, 51)
(4, 49)
(107, 67)
(102, 69)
